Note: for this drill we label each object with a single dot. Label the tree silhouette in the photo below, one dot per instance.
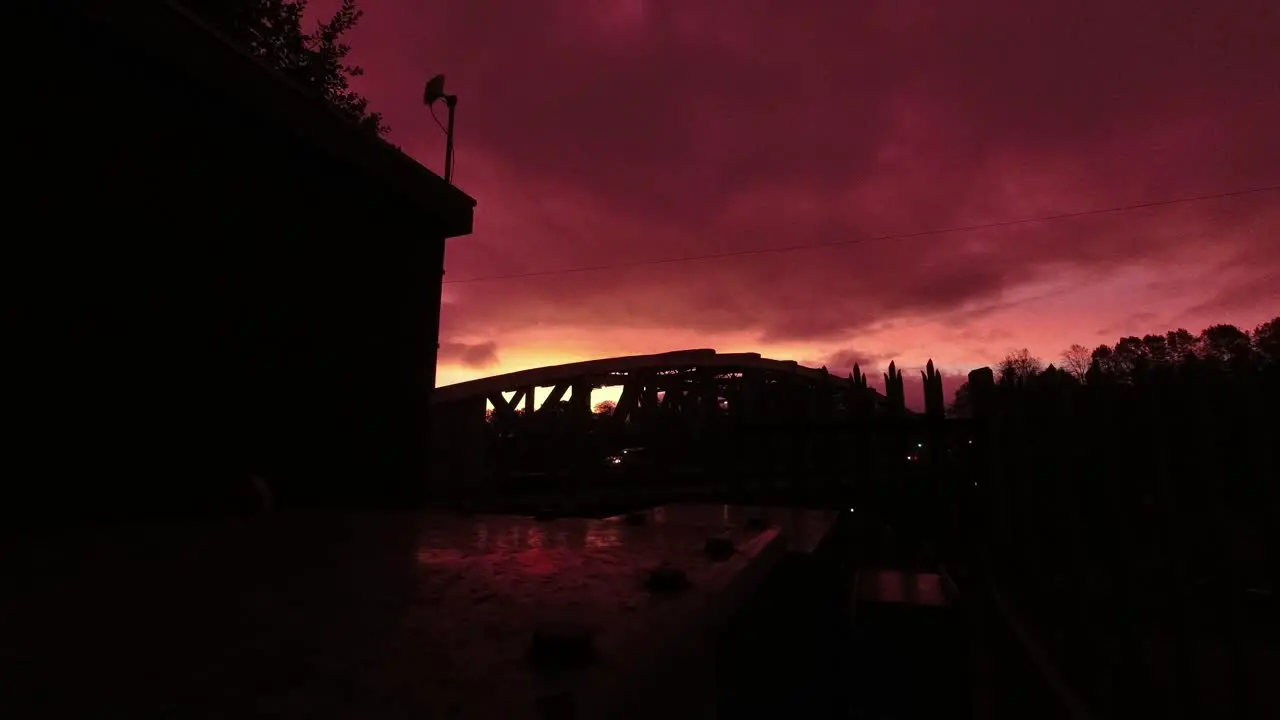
(604, 407)
(893, 390)
(933, 397)
(1156, 349)
(1224, 344)
(961, 405)
(858, 380)
(1216, 344)
(1106, 362)
(271, 30)
(1076, 360)
(1180, 345)
(1019, 365)
(1130, 354)
(1266, 339)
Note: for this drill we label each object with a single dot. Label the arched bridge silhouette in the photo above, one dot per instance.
(682, 381)
(690, 409)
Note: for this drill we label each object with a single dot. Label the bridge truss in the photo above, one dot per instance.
(696, 407)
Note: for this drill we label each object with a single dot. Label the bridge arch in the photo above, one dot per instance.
(694, 388)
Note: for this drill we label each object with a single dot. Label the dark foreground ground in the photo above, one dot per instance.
(422, 616)
(857, 630)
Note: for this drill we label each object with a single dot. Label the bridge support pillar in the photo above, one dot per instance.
(580, 399)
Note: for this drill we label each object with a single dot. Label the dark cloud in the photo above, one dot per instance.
(606, 133)
(1259, 290)
(478, 355)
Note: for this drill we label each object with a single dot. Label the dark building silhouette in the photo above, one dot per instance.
(217, 276)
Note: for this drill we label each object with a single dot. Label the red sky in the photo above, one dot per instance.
(622, 131)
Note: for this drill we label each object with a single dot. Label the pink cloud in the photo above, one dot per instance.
(637, 131)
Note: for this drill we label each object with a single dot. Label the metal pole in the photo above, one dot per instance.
(452, 102)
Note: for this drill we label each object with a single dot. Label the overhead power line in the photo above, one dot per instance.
(859, 241)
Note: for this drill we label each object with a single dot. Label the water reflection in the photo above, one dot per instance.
(494, 546)
(536, 561)
(602, 534)
(439, 556)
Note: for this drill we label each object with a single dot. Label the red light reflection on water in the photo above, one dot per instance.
(536, 561)
(494, 549)
(890, 586)
(602, 535)
(440, 556)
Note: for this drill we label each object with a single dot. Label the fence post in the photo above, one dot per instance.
(982, 396)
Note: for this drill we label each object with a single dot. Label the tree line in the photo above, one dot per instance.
(1131, 357)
